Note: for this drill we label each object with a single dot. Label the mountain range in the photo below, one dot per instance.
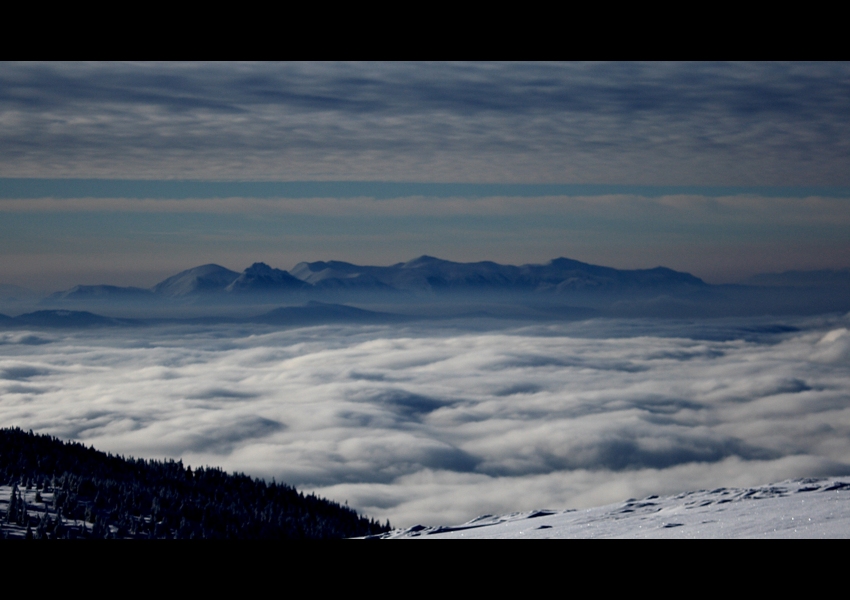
(425, 274)
(552, 287)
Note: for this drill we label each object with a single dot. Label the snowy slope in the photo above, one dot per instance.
(800, 508)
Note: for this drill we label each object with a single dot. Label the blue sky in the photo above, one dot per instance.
(126, 173)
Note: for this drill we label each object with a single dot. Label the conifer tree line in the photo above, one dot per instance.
(81, 492)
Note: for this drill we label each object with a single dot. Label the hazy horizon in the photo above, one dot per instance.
(50, 280)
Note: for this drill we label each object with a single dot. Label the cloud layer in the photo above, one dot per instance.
(440, 425)
(720, 124)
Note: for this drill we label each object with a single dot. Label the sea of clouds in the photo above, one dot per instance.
(439, 424)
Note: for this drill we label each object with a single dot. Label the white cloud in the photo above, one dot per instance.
(440, 424)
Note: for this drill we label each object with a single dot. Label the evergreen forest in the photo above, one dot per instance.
(50, 489)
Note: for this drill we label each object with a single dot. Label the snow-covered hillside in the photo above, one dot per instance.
(800, 508)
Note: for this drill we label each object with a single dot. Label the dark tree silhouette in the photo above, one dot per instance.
(142, 499)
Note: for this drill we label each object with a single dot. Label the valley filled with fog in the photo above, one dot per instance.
(437, 422)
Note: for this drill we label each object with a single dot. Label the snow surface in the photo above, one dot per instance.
(41, 509)
(800, 508)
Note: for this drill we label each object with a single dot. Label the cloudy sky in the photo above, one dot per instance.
(127, 173)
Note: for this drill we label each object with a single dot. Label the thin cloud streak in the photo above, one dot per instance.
(665, 210)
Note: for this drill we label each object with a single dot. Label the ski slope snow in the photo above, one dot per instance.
(800, 508)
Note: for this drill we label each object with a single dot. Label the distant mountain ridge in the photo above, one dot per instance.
(198, 280)
(260, 277)
(424, 274)
(562, 281)
(319, 312)
(62, 318)
(94, 292)
(311, 313)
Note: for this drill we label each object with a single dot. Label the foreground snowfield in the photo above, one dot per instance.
(800, 508)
